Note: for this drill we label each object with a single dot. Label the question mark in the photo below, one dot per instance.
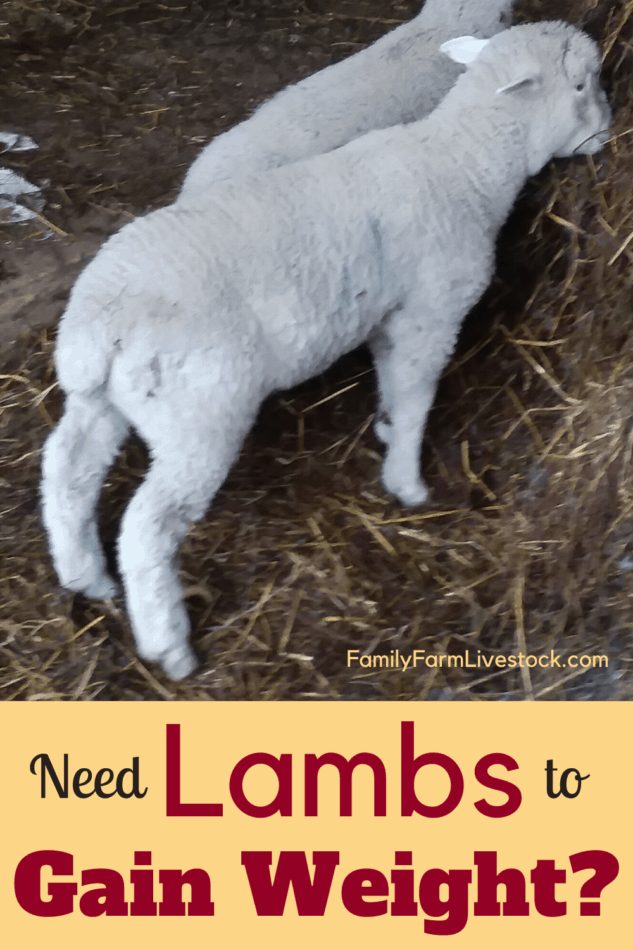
(607, 869)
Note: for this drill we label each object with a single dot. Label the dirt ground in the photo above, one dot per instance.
(528, 542)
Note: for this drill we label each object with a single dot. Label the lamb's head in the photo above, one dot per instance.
(547, 74)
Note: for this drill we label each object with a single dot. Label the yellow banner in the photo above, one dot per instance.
(225, 824)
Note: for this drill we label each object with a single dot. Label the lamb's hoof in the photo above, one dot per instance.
(179, 662)
(414, 493)
(102, 587)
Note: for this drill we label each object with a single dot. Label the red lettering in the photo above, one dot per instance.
(361, 884)
(176, 808)
(455, 906)
(269, 895)
(282, 802)
(545, 877)
(345, 769)
(410, 766)
(27, 884)
(172, 904)
(109, 899)
(498, 785)
(488, 881)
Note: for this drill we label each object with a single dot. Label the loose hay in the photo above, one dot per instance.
(528, 542)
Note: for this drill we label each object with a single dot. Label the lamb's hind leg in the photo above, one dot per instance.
(186, 471)
(76, 457)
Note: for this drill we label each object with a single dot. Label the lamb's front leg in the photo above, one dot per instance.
(409, 363)
(401, 466)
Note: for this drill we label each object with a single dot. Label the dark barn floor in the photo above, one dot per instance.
(527, 544)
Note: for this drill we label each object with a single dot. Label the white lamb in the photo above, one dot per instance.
(400, 78)
(188, 318)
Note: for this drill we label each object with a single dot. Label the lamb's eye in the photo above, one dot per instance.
(580, 86)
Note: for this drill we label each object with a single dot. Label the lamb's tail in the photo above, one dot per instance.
(85, 352)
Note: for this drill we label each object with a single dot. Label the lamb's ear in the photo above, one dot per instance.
(463, 49)
(524, 84)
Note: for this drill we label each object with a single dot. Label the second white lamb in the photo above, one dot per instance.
(400, 78)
